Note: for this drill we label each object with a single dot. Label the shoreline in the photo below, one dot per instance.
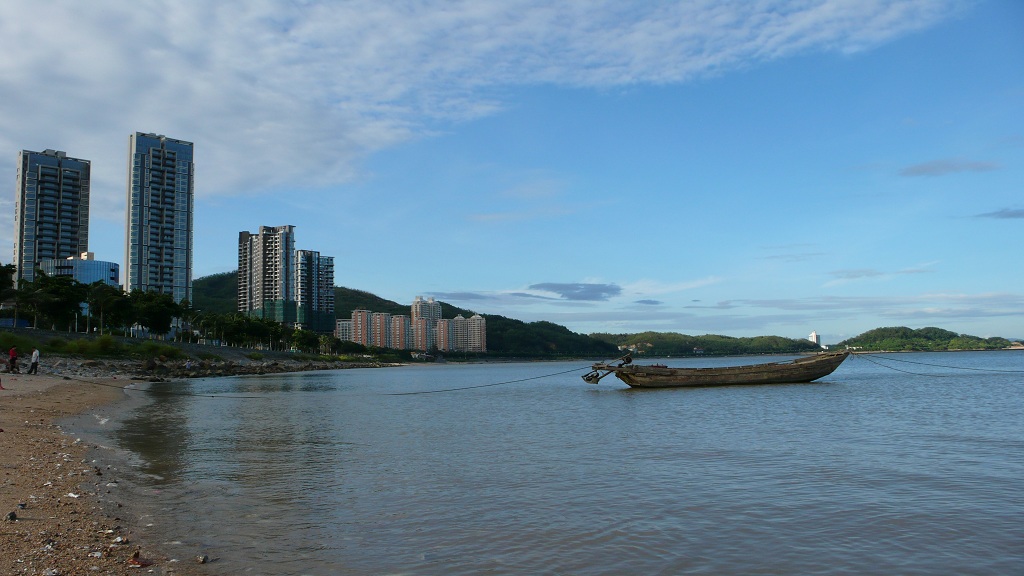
(63, 509)
(61, 512)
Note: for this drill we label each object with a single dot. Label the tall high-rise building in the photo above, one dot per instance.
(445, 338)
(460, 333)
(361, 327)
(314, 291)
(423, 338)
(429, 308)
(158, 226)
(380, 329)
(401, 332)
(476, 334)
(425, 314)
(51, 209)
(266, 273)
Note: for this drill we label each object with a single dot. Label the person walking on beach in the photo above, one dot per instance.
(12, 366)
(34, 367)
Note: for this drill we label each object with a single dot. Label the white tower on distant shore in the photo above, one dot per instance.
(815, 338)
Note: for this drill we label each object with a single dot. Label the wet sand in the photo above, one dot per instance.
(60, 511)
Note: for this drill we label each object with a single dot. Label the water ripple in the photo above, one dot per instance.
(871, 472)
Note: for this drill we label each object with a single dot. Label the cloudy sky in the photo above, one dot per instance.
(739, 168)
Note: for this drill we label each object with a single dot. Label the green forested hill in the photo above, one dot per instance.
(348, 299)
(216, 294)
(901, 338)
(519, 338)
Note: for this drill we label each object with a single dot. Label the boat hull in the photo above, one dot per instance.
(801, 370)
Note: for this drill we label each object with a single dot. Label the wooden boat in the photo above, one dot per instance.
(800, 370)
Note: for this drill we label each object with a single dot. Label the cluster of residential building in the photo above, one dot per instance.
(423, 329)
(296, 288)
(51, 220)
(276, 281)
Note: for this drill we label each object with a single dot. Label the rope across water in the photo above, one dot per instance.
(236, 396)
(487, 385)
(874, 359)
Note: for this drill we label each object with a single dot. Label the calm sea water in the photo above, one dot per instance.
(871, 471)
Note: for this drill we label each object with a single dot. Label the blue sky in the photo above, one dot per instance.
(738, 168)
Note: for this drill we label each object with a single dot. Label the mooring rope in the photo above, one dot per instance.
(873, 359)
(946, 366)
(867, 358)
(485, 385)
(130, 386)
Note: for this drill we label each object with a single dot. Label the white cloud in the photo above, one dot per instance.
(647, 288)
(851, 275)
(293, 95)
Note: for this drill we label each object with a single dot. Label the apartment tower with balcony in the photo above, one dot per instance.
(425, 314)
(158, 226)
(266, 273)
(51, 210)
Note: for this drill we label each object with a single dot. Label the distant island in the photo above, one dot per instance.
(902, 339)
(507, 337)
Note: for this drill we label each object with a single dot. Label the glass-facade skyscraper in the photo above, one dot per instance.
(314, 291)
(158, 226)
(51, 209)
(425, 315)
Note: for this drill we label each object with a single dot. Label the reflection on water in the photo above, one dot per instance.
(870, 471)
(158, 433)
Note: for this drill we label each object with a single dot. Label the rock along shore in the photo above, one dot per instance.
(161, 370)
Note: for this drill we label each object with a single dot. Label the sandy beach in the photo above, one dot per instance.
(59, 507)
(63, 510)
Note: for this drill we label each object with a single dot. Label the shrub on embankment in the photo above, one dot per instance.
(105, 346)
